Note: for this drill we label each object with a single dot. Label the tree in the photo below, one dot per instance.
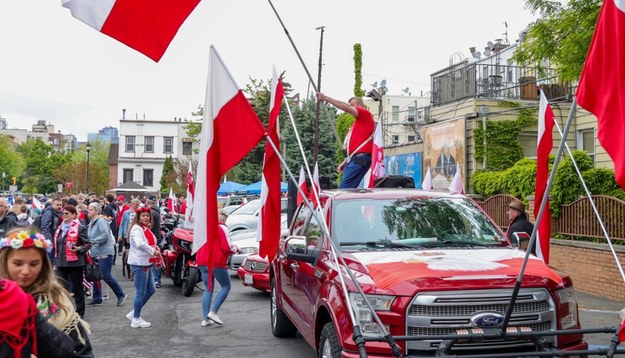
(11, 163)
(562, 35)
(41, 161)
(76, 173)
(166, 179)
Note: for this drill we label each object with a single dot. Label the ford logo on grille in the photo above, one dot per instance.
(487, 320)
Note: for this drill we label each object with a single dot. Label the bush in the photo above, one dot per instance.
(488, 183)
(567, 185)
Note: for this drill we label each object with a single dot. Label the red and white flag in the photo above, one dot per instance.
(427, 181)
(171, 202)
(546, 121)
(36, 204)
(270, 194)
(455, 187)
(188, 214)
(147, 26)
(377, 156)
(600, 89)
(230, 130)
(314, 193)
(303, 188)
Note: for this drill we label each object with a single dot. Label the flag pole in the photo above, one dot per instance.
(594, 207)
(517, 285)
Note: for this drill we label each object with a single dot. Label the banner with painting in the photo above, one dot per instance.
(443, 148)
(405, 164)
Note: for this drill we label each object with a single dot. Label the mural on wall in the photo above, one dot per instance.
(443, 148)
(405, 164)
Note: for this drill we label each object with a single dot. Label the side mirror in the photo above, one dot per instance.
(295, 248)
(522, 240)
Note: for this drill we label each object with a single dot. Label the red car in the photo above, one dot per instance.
(254, 272)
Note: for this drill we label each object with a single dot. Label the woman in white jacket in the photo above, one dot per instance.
(143, 254)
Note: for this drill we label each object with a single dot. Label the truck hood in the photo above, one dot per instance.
(404, 272)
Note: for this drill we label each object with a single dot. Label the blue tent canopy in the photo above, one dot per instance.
(229, 187)
(254, 188)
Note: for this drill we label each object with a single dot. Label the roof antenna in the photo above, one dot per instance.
(505, 34)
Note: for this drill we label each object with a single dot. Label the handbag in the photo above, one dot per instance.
(92, 270)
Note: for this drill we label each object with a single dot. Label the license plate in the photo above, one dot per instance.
(249, 279)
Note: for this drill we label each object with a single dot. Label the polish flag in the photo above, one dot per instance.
(303, 188)
(36, 204)
(455, 187)
(314, 193)
(546, 121)
(171, 202)
(600, 88)
(377, 154)
(147, 26)
(270, 198)
(188, 214)
(230, 130)
(427, 181)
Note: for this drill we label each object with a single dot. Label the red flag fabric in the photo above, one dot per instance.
(314, 193)
(455, 187)
(601, 83)
(171, 202)
(223, 144)
(270, 198)
(546, 121)
(302, 186)
(188, 213)
(621, 333)
(377, 155)
(147, 26)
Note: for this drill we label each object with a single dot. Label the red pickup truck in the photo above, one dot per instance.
(429, 263)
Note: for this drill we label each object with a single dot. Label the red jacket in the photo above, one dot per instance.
(220, 257)
(120, 212)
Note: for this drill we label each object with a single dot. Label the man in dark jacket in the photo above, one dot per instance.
(8, 219)
(110, 210)
(518, 221)
(50, 219)
(156, 230)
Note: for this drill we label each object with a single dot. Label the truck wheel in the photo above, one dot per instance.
(329, 346)
(189, 284)
(281, 325)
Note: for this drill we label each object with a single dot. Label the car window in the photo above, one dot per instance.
(418, 221)
(314, 233)
(250, 208)
(299, 221)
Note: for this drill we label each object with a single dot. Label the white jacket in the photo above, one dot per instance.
(140, 251)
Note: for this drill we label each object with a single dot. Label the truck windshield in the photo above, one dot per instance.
(421, 222)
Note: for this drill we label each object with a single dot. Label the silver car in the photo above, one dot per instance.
(246, 217)
(247, 243)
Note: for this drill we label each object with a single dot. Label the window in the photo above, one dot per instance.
(395, 139)
(168, 145)
(411, 138)
(395, 113)
(187, 147)
(149, 145)
(130, 144)
(128, 174)
(148, 177)
(411, 114)
(586, 142)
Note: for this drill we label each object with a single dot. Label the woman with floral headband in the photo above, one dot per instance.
(24, 260)
(71, 243)
(143, 254)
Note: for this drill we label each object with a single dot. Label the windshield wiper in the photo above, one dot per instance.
(457, 243)
(390, 243)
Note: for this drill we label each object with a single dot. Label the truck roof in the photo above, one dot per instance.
(386, 193)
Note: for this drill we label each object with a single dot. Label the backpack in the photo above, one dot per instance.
(37, 221)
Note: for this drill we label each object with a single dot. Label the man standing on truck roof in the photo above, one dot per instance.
(358, 141)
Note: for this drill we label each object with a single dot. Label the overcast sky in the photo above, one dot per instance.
(56, 68)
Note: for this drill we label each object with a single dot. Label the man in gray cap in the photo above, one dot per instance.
(518, 221)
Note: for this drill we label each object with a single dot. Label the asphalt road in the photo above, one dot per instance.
(176, 331)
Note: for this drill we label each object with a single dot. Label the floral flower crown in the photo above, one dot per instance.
(22, 239)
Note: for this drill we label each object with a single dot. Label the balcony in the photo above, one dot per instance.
(500, 82)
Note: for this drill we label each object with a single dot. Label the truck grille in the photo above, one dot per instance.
(440, 313)
(257, 266)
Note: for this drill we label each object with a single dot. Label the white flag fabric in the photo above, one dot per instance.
(455, 186)
(427, 180)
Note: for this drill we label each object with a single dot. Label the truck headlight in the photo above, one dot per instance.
(363, 314)
(569, 303)
(249, 250)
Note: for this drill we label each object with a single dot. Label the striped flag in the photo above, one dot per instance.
(546, 121)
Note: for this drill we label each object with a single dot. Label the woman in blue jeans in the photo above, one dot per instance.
(141, 257)
(220, 272)
(103, 252)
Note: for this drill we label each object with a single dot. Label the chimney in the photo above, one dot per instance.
(123, 113)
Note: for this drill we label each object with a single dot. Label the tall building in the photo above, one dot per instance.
(107, 134)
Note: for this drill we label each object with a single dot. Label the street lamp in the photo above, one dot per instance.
(88, 146)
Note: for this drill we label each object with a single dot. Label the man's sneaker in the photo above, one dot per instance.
(139, 323)
(130, 315)
(94, 303)
(121, 300)
(105, 297)
(206, 323)
(157, 284)
(215, 318)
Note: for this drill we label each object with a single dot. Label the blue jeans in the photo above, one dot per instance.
(223, 277)
(106, 266)
(156, 272)
(144, 285)
(355, 170)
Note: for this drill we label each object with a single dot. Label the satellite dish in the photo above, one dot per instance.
(406, 90)
(383, 83)
(489, 44)
(374, 84)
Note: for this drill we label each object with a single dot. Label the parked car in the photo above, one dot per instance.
(246, 217)
(248, 244)
(429, 264)
(254, 272)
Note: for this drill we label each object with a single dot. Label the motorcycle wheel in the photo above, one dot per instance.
(178, 273)
(189, 283)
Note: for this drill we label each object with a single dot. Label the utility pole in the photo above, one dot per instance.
(318, 109)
